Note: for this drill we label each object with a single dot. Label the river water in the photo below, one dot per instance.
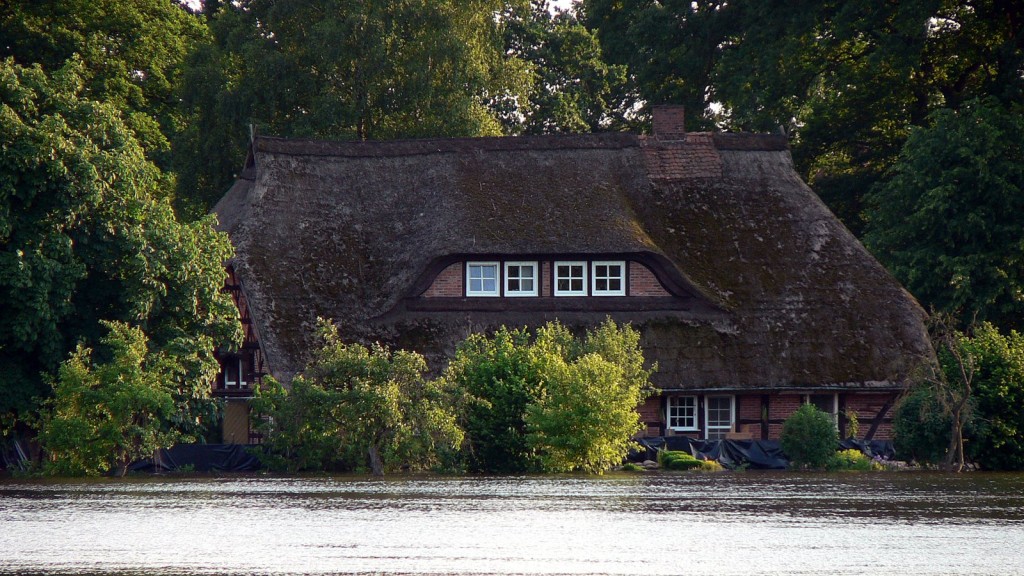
(650, 524)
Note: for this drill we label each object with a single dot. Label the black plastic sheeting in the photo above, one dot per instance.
(753, 454)
(200, 458)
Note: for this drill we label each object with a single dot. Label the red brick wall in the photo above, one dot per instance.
(867, 407)
(545, 278)
(781, 406)
(749, 407)
(668, 121)
(448, 283)
(642, 282)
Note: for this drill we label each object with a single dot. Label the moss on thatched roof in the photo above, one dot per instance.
(782, 295)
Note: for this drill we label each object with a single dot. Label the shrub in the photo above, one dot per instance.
(355, 406)
(851, 459)
(920, 428)
(631, 467)
(677, 460)
(554, 403)
(809, 437)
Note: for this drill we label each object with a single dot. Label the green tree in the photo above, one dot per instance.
(131, 51)
(846, 80)
(920, 427)
(103, 416)
(86, 237)
(358, 406)
(341, 69)
(997, 432)
(496, 373)
(946, 222)
(809, 437)
(574, 89)
(586, 415)
(553, 403)
(969, 406)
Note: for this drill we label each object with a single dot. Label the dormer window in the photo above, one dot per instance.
(520, 278)
(482, 279)
(570, 278)
(608, 278)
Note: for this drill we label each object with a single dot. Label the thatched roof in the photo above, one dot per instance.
(769, 289)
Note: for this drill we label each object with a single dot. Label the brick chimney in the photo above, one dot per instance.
(668, 122)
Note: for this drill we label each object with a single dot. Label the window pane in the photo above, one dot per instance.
(563, 284)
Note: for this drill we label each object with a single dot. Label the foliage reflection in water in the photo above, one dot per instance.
(733, 523)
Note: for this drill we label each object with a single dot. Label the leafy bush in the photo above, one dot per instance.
(809, 437)
(920, 428)
(355, 406)
(993, 364)
(557, 403)
(851, 459)
(632, 467)
(678, 460)
(103, 416)
(997, 438)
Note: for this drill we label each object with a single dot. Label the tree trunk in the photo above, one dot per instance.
(955, 452)
(376, 463)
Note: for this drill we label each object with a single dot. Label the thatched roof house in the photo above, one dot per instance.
(741, 281)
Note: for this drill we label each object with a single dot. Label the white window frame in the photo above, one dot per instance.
(555, 276)
(235, 363)
(483, 293)
(594, 278)
(707, 420)
(673, 402)
(508, 277)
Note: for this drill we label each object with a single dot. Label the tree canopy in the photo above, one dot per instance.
(86, 236)
(947, 220)
(131, 54)
(341, 69)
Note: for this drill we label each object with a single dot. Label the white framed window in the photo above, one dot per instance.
(682, 413)
(482, 279)
(719, 416)
(570, 278)
(608, 278)
(234, 375)
(521, 279)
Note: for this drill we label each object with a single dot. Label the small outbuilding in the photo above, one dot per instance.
(748, 292)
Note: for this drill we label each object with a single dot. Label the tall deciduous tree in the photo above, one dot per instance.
(131, 51)
(342, 69)
(947, 222)
(86, 237)
(574, 89)
(845, 79)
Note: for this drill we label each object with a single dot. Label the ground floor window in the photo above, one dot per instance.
(719, 412)
(827, 403)
(682, 413)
